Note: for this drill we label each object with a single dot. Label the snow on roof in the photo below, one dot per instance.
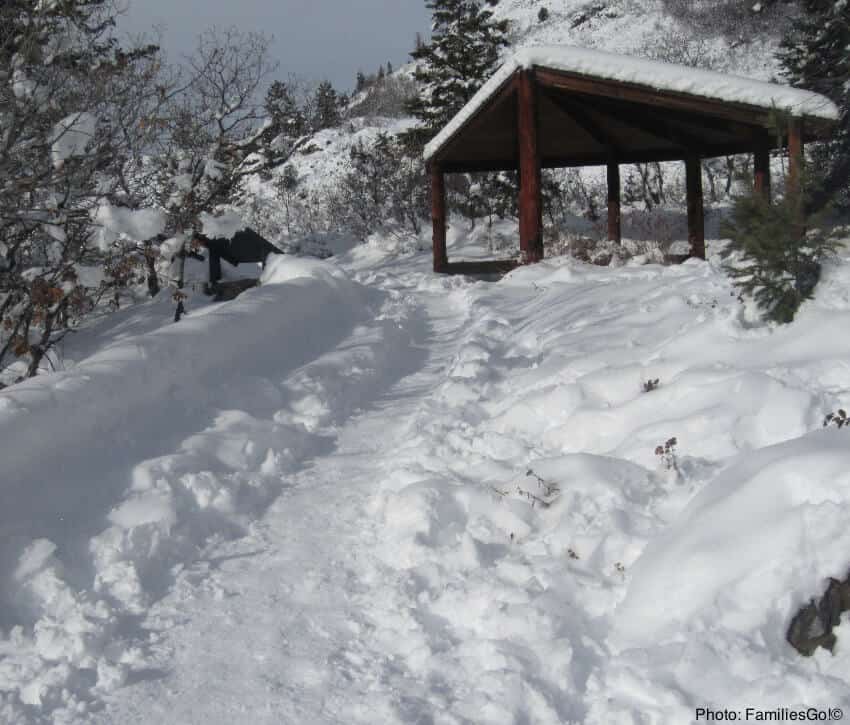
(641, 71)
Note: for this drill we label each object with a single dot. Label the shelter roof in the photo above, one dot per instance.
(600, 94)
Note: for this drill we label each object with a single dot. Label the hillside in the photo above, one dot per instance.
(649, 28)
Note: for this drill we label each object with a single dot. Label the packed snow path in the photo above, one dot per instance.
(300, 621)
(435, 500)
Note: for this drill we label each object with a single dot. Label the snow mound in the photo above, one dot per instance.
(282, 268)
(748, 551)
(158, 443)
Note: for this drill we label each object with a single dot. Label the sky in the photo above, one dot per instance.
(314, 39)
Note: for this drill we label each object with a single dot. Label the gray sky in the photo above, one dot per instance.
(315, 39)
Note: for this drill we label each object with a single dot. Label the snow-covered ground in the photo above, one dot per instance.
(366, 493)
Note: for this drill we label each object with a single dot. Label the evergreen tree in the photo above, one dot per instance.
(286, 117)
(816, 57)
(771, 257)
(463, 53)
(327, 107)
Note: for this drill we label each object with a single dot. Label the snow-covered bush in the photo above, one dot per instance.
(735, 19)
(386, 97)
(76, 112)
(384, 189)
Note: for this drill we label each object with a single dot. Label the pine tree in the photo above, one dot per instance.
(815, 56)
(286, 117)
(771, 257)
(327, 107)
(463, 53)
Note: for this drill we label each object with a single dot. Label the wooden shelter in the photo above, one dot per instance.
(563, 106)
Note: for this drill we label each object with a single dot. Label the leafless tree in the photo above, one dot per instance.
(214, 132)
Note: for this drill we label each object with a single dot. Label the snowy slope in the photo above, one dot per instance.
(395, 497)
(635, 27)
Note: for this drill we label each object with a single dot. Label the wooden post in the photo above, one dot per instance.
(795, 155)
(795, 173)
(761, 166)
(530, 199)
(614, 228)
(438, 217)
(696, 214)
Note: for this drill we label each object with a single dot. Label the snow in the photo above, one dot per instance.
(365, 493)
(282, 268)
(223, 225)
(642, 72)
(362, 492)
(789, 493)
(72, 136)
(134, 224)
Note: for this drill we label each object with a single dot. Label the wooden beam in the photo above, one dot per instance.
(644, 95)
(530, 197)
(614, 228)
(482, 266)
(736, 131)
(696, 214)
(438, 217)
(472, 165)
(597, 158)
(761, 166)
(642, 156)
(655, 125)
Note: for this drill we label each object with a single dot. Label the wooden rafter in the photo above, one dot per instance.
(654, 98)
(585, 122)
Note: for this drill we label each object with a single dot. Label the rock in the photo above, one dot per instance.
(812, 626)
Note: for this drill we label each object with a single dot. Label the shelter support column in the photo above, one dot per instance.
(530, 198)
(438, 217)
(795, 155)
(795, 171)
(614, 227)
(696, 214)
(761, 168)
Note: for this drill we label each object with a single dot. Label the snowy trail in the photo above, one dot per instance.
(294, 622)
(453, 511)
